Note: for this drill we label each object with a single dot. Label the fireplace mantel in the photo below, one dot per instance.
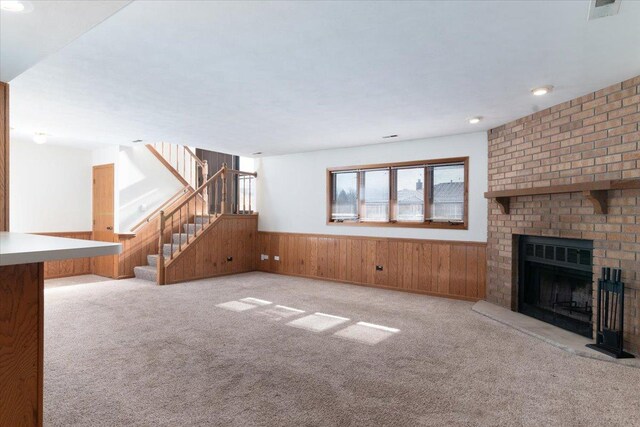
(595, 191)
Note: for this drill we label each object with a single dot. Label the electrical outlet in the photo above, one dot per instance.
(276, 258)
(264, 257)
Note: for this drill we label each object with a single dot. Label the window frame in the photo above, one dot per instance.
(393, 197)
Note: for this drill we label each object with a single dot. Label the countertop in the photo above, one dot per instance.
(19, 248)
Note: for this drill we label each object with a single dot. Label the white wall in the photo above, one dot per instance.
(292, 188)
(50, 187)
(143, 184)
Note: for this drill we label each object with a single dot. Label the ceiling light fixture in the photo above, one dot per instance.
(40, 138)
(542, 90)
(390, 136)
(257, 153)
(16, 6)
(135, 141)
(474, 120)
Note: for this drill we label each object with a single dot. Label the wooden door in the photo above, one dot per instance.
(103, 217)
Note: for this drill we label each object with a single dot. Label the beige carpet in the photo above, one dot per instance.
(130, 353)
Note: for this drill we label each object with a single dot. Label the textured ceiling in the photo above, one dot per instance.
(282, 77)
(27, 38)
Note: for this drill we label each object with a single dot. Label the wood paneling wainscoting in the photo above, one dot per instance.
(67, 267)
(226, 247)
(443, 268)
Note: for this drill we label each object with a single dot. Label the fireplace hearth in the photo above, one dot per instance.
(556, 282)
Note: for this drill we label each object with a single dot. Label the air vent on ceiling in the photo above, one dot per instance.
(603, 8)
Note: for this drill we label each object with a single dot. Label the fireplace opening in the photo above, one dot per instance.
(556, 282)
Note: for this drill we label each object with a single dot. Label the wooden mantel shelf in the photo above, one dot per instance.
(595, 192)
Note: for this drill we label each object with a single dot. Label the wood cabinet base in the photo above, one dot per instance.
(21, 344)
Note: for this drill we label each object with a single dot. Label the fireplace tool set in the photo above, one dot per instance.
(610, 315)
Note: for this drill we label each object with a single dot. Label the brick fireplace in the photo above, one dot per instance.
(588, 142)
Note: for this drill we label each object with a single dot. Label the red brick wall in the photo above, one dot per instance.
(591, 138)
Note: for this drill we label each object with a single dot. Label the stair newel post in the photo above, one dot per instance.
(188, 220)
(205, 178)
(161, 251)
(223, 175)
(215, 196)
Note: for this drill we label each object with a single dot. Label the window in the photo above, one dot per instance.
(410, 194)
(375, 198)
(428, 193)
(446, 192)
(344, 197)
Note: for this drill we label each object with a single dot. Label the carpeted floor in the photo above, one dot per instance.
(129, 353)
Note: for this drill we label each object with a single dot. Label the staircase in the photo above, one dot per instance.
(190, 219)
(150, 271)
(188, 169)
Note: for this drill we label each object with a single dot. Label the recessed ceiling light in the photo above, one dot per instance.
(390, 136)
(16, 6)
(542, 90)
(474, 120)
(40, 138)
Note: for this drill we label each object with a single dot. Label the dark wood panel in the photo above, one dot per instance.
(67, 267)
(215, 161)
(232, 236)
(21, 344)
(4, 157)
(446, 268)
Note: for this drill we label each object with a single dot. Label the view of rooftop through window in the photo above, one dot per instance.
(447, 192)
(410, 194)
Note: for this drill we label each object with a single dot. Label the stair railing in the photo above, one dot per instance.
(184, 161)
(204, 210)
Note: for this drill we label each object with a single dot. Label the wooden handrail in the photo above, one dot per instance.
(160, 208)
(181, 161)
(196, 158)
(237, 172)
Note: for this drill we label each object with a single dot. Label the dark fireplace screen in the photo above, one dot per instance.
(556, 282)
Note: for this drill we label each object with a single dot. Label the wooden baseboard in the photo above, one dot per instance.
(212, 276)
(390, 288)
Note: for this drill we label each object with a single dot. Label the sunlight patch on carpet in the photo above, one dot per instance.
(367, 333)
(236, 306)
(318, 322)
(279, 312)
(255, 301)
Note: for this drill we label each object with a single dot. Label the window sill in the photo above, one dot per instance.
(407, 224)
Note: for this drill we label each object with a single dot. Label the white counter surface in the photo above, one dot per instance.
(19, 248)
